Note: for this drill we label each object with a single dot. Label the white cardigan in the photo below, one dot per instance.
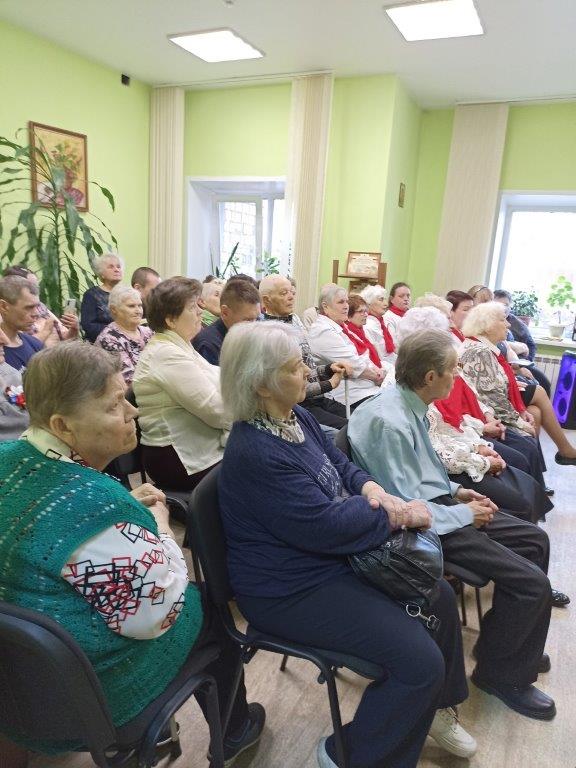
(179, 401)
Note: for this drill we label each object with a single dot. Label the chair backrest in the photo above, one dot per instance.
(341, 441)
(207, 539)
(49, 692)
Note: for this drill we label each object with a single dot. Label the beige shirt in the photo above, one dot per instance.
(179, 401)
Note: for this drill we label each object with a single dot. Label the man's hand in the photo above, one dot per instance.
(70, 322)
(483, 512)
(467, 495)
(148, 495)
(44, 327)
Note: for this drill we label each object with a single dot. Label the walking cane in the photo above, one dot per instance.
(346, 398)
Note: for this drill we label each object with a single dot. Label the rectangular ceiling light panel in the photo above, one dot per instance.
(216, 45)
(436, 19)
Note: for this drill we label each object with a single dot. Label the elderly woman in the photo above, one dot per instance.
(13, 414)
(125, 335)
(376, 297)
(66, 529)
(94, 312)
(456, 425)
(293, 508)
(355, 328)
(184, 428)
(329, 342)
(398, 305)
(209, 300)
(488, 371)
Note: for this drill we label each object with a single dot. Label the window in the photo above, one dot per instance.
(223, 212)
(535, 244)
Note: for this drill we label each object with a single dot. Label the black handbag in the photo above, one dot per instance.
(407, 567)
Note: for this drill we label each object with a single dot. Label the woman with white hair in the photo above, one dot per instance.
(329, 342)
(293, 507)
(94, 312)
(455, 427)
(209, 300)
(376, 297)
(125, 335)
(487, 369)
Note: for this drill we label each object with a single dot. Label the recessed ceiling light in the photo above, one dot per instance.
(436, 19)
(216, 45)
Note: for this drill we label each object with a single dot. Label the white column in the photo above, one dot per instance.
(471, 196)
(305, 182)
(166, 181)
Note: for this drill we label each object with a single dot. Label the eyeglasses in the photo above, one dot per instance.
(361, 311)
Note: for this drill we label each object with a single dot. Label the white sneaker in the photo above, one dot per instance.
(449, 734)
(324, 760)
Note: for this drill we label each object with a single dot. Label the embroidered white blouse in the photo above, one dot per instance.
(458, 450)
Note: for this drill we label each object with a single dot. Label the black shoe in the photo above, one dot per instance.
(544, 664)
(248, 737)
(528, 701)
(564, 460)
(559, 599)
(549, 491)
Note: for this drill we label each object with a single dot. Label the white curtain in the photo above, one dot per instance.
(166, 181)
(471, 196)
(305, 181)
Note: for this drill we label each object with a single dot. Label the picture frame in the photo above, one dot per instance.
(363, 264)
(67, 150)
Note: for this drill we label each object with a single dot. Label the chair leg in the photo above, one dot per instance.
(216, 735)
(175, 747)
(479, 606)
(341, 754)
(463, 604)
(283, 662)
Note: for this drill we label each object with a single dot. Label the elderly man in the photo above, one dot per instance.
(389, 439)
(19, 305)
(239, 302)
(278, 296)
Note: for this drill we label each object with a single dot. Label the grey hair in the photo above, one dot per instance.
(373, 292)
(209, 289)
(482, 318)
(62, 378)
(251, 358)
(432, 300)
(268, 283)
(422, 352)
(99, 261)
(328, 294)
(421, 319)
(120, 293)
(11, 288)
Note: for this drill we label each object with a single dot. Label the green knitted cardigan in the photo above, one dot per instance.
(48, 508)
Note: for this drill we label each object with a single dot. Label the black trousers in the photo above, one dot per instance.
(326, 411)
(529, 448)
(423, 671)
(514, 555)
(513, 491)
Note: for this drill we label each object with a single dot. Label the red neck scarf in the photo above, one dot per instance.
(358, 337)
(460, 402)
(396, 311)
(388, 340)
(459, 335)
(513, 392)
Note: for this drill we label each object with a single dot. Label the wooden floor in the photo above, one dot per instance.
(297, 710)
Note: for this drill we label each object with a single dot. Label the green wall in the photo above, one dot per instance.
(435, 139)
(540, 151)
(42, 82)
(358, 158)
(237, 131)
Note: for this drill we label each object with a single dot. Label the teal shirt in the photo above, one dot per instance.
(389, 439)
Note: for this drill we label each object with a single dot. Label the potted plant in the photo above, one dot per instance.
(50, 237)
(230, 268)
(561, 297)
(525, 305)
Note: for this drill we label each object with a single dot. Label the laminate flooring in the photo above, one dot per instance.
(297, 707)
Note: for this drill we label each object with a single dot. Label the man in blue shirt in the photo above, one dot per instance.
(389, 438)
(19, 311)
(239, 302)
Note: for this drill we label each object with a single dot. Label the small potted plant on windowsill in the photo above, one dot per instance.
(525, 305)
(561, 297)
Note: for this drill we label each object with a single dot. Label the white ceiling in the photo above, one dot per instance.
(528, 51)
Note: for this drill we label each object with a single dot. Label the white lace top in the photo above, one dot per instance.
(458, 450)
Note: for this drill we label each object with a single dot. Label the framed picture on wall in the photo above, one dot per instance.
(363, 265)
(66, 154)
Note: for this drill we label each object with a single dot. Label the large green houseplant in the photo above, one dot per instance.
(51, 238)
(525, 305)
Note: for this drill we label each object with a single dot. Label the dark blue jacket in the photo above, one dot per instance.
(94, 312)
(209, 341)
(288, 518)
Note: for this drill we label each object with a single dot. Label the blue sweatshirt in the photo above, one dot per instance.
(288, 519)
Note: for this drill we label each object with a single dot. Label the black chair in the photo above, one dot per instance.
(209, 545)
(50, 695)
(462, 576)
